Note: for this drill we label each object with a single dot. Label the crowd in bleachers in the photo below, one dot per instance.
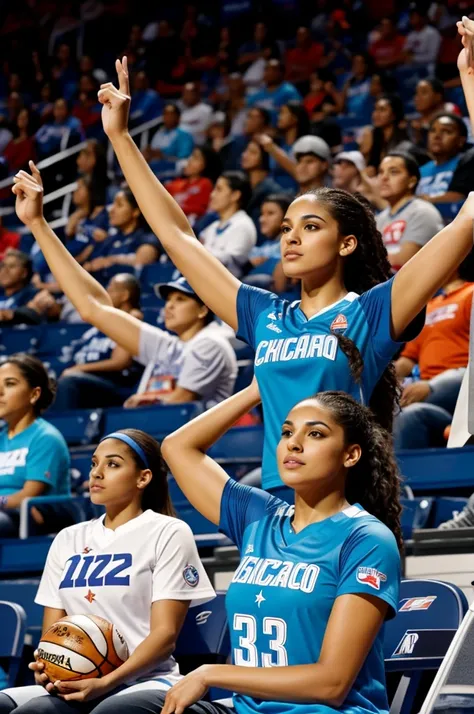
(363, 97)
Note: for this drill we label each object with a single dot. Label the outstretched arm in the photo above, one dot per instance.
(200, 478)
(86, 294)
(214, 284)
(419, 279)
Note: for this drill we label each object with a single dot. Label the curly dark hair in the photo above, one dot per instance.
(375, 480)
(365, 268)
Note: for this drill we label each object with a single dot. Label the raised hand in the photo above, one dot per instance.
(466, 56)
(116, 102)
(28, 189)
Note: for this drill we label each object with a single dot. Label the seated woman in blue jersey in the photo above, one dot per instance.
(316, 580)
(128, 243)
(34, 458)
(351, 318)
(102, 374)
(142, 549)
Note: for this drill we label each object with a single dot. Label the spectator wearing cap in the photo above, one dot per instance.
(347, 169)
(193, 190)
(195, 114)
(429, 102)
(256, 163)
(102, 373)
(276, 91)
(169, 145)
(423, 42)
(197, 363)
(313, 157)
(447, 180)
(231, 238)
(408, 223)
(17, 292)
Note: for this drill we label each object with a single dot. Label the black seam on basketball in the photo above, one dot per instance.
(74, 652)
(89, 637)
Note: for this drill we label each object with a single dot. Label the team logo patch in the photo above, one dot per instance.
(339, 324)
(406, 644)
(191, 576)
(417, 603)
(371, 577)
(272, 326)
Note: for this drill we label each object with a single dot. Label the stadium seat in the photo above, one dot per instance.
(75, 505)
(154, 316)
(78, 426)
(19, 339)
(54, 338)
(429, 614)
(415, 514)
(445, 508)
(244, 375)
(158, 420)
(453, 687)
(23, 593)
(155, 273)
(437, 470)
(12, 636)
(184, 510)
(240, 444)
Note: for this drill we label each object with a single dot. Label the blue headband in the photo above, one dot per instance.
(131, 443)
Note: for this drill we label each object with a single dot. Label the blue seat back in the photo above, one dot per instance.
(415, 514)
(16, 339)
(186, 511)
(78, 426)
(417, 639)
(155, 273)
(12, 636)
(54, 337)
(158, 420)
(205, 631)
(240, 444)
(445, 508)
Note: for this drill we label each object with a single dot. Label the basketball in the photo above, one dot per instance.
(81, 647)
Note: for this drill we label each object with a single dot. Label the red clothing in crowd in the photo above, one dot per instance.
(18, 153)
(8, 240)
(192, 194)
(384, 50)
(301, 62)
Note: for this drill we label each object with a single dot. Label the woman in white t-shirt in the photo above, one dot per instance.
(137, 566)
(231, 238)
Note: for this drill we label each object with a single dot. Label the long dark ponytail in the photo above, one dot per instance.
(156, 495)
(374, 481)
(365, 268)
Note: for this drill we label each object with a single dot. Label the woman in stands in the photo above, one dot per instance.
(351, 317)
(316, 581)
(34, 459)
(128, 241)
(193, 190)
(159, 576)
(90, 221)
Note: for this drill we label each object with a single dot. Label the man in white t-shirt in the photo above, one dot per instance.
(195, 115)
(423, 42)
(232, 237)
(196, 364)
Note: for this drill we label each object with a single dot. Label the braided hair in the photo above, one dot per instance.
(365, 268)
(374, 481)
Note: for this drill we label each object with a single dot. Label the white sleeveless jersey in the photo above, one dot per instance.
(118, 574)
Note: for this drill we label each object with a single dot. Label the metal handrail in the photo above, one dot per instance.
(50, 161)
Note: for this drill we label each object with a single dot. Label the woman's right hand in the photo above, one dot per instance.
(38, 667)
(116, 102)
(28, 190)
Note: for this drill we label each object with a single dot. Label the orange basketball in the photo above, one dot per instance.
(81, 647)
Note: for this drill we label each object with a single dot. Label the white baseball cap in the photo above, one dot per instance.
(312, 145)
(354, 157)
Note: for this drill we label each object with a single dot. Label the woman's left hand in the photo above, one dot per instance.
(82, 691)
(188, 691)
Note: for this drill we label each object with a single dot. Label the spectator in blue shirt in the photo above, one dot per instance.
(169, 144)
(65, 131)
(146, 104)
(34, 459)
(16, 293)
(276, 92)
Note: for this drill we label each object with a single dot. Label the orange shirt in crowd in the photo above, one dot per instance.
(444, 341)
(300, 62)
(192, 194)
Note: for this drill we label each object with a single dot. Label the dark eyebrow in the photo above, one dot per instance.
(309, 423)
(110, 456)
(308, 216)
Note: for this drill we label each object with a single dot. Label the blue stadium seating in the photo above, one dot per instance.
(12, 636)
(415, 514)
(437, 470)
(429, 614)
(158, 420)
(156, 273)
(18, 339)
(444, 509)
(54, 337)
(241, 443)
(23, 592)
(184, 510)
(78, 426)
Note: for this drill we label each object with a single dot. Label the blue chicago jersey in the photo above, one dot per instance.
(296, 357)
(282, 593)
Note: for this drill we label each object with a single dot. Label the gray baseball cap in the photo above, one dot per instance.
(312, 145)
